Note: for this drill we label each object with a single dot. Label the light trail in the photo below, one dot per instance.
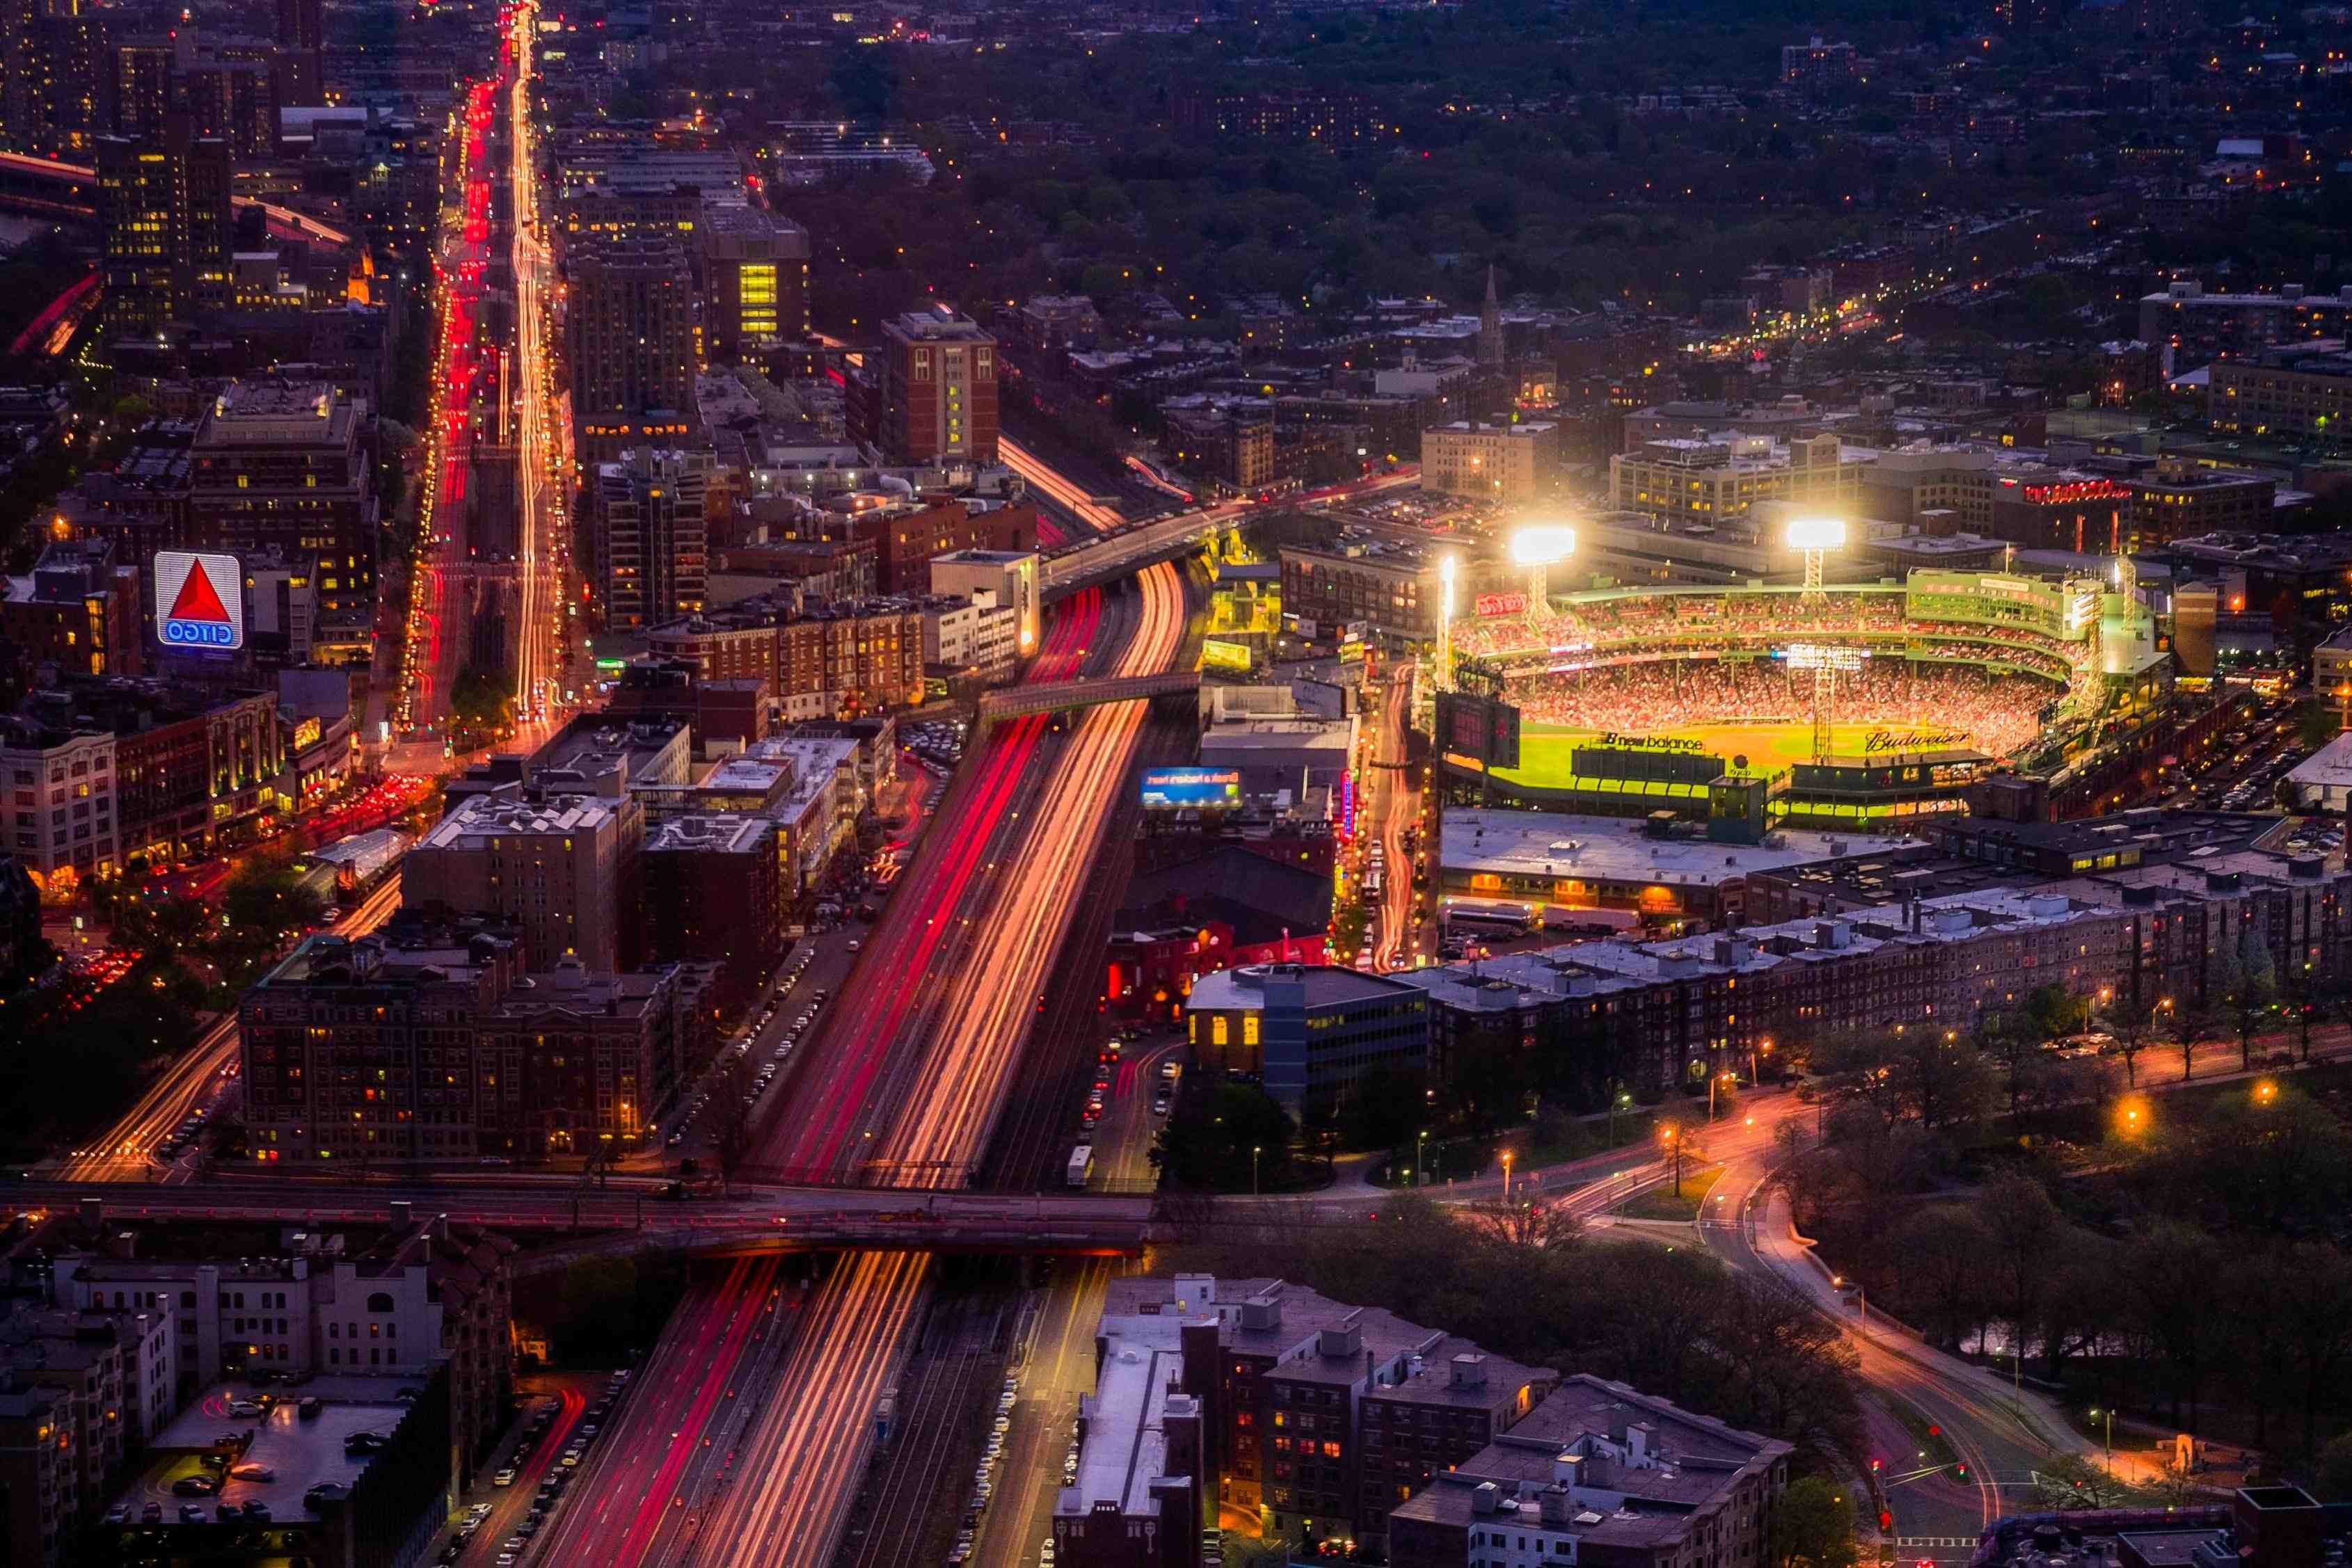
(195, 1076)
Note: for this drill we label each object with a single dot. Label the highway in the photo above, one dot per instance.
(907, 1088)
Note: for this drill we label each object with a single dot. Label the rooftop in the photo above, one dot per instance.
(276, 414)
(477, 819)
(1326, 986)
(303, 1454)
(1618, 849)
(711, 833)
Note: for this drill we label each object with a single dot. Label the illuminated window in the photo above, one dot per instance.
(1218, 1030)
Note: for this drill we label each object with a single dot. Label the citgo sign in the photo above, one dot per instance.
(199, 602)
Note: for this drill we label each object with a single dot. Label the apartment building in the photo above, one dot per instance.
(2199, 327)
(935, 399)
(562, 868)
(392, 1303)
(2305, 390)
(1265, 1396)
(2180, 498)
(38, 1475)
(1394, 587)
(650, 514)
(1599, 1473)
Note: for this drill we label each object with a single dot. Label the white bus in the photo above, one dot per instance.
(1082, 1165)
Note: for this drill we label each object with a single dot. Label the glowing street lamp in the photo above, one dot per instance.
(1446, 567)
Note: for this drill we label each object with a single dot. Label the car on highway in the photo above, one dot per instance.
(504, 1478)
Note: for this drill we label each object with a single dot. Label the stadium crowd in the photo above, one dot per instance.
(1998, 716)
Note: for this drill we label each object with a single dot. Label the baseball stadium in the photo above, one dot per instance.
(1829, 704)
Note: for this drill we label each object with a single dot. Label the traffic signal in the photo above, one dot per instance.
(1933, 1430)
(1964, 1472)
(1886, 1520)
(1876, 1465)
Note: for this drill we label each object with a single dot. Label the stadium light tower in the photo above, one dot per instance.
(1827, 664)
(1446, 623)
(1539, 547)
(1815, 537)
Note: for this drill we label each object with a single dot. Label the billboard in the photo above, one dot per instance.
(1217, 654)
(1499, 604)
(199, 602)
(1174, 789)
(1483, 729)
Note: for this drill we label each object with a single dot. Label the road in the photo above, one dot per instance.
(1391, 805)
(200, 1079)
(544, 675)
(568, 1396)
(444, 594)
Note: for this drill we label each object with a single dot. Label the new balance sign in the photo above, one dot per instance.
(199, 602)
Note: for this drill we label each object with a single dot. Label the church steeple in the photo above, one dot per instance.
(1490, 324)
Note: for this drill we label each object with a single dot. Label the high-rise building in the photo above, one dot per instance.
(634, 346)
(935, 391)
(652, 535)
(164, 202)
(301, 45)
(755, 279)
(563, 869)
(277, 467)
(233, 100)
(139, 91)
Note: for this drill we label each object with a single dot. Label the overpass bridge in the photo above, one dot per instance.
(51, 188)
(1052, 696)
(1105, 557)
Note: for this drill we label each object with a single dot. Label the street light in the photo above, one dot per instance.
(2109, 1415)
(1420, 1152)
(1255, 1150)
(1506, 1176)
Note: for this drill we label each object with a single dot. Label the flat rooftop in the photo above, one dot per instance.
(1327, 986)
(1618, 849)
(304, 1454)
(478, 817)
(1140, 1362)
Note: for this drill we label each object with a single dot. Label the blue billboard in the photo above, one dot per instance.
(1174, 789)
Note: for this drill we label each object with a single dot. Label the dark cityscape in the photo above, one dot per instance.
(1457, 785)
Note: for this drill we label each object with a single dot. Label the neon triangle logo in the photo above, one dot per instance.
(197, 600)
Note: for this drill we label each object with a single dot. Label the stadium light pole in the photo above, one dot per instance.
(1538, 548)
(1814, 537)
(1827, 664)
(1445, 571)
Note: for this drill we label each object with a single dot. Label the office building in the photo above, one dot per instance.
(1309, 1035)
(652, 535)
(278, 468)
(906, 539)
(1708, 480)
(302, 47)
(634, 346)
(936, 391)
(1509, 464)
(2180, 498)
(2301, 390)
(755, 280)
(1010, 576)
(163, 209)
(1391, 586)
(1598, 1473)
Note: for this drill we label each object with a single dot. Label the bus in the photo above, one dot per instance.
(1488, 917)
(1082, 1165)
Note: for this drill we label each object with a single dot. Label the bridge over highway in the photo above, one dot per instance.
(1052, 697)
(56, 189)
(1105, 557)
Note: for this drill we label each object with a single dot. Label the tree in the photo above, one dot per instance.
(1939, 1254)
(2170, 1270)
(2025, 1227)
(481, 703)
(1527, 1223)
(2252, 988)
(2131, 1018)
(2332, 1478)
(1812, 1526)
(1226, 1139)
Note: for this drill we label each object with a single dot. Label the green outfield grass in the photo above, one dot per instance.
(1545, 750)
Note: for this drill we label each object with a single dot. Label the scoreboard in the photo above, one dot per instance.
(1481, 730)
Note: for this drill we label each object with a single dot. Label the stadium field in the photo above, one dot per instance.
(1546, 750)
